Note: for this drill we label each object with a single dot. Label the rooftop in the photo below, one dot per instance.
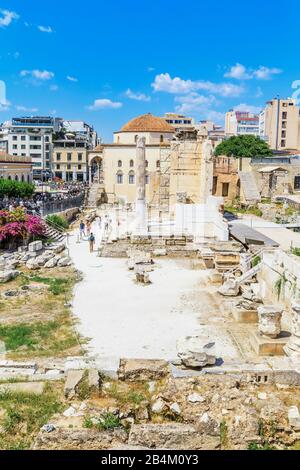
(147, 123)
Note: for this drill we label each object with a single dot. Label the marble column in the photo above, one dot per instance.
(74, 173)
(269, 321)
(90, 174)
(64, 173)
(140, 207)
(293, 346)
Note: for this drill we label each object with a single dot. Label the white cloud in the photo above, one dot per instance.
(265, 73)
(248, 107)
(137, 96)
(27, 110)
(193, 102)
(45, 29)
(5, 105)
(72, 79)
(38, 74)
(7, 17)
(104, 104)
(176, 85)
(53, 88)
(239, 72)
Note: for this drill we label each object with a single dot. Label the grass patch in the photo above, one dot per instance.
(57, 286)
(24, 416)
(252, 210)
(109, 421)
(123, 396)
(38, 339)
(295, 251)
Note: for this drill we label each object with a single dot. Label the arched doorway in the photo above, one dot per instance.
(96, 170)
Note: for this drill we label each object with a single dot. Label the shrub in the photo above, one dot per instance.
(17, 225)
(11, 188)
(57, 221)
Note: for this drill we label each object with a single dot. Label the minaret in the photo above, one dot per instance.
(140, 207)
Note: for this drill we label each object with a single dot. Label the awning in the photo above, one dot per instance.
(270, 169)
(248, 236)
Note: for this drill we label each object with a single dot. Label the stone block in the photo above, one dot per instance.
(142, 369)
(93, 380)
(35, 246)
(294, 417)
(196, 351)
(35, 388)
(242, 315)
(171, 436)
(264, 346)
(6, 276)
(73, 380)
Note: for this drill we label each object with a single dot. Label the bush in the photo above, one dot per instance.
(11, 188)
(17, 225)
(57, 221)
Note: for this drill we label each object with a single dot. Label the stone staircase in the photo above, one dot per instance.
(54, 233)
(249, 187)
(94, 194)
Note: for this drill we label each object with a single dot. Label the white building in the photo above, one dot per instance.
(31, 137)
(241, 123)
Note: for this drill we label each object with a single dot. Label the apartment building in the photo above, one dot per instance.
(279, 124)
(70, 150)
(179, 121)
(241, 123)
(31, 137)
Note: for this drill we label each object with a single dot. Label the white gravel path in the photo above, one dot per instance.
(126, 319)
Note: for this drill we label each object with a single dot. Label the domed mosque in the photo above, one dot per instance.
(117, 161)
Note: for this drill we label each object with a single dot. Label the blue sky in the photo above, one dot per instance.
(108, 61)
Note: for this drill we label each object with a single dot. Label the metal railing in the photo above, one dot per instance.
(53, 207)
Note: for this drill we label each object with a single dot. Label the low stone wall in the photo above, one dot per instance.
(279, 265)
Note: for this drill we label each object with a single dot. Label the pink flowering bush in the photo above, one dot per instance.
(16, 225)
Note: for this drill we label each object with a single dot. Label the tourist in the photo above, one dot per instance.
(82, 229)
(91, 242)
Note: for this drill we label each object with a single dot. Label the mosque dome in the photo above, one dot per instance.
(147, 123)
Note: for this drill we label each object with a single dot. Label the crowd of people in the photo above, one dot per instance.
(44, 196)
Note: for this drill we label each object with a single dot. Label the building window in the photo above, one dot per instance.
(22, 179)
(131, 163)
(23, 137)
(46, 138)
(120, 163)
(158, 164)
(69, 167)
(15, 147)
(136, 138)
(225, 189)
(161, 138)
(16, 178)
(23, 147)
(131, 178)
(146, 163)
(58, 167)
(119, 177)
(282, 143)
(147, 179)
(69, 157)
(58, 157)
(15, 137)
(284, 115)
(80, 157)
(79, 167)
(297, 183)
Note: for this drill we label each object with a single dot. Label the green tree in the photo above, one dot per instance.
(13, 188)
(247, 146)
